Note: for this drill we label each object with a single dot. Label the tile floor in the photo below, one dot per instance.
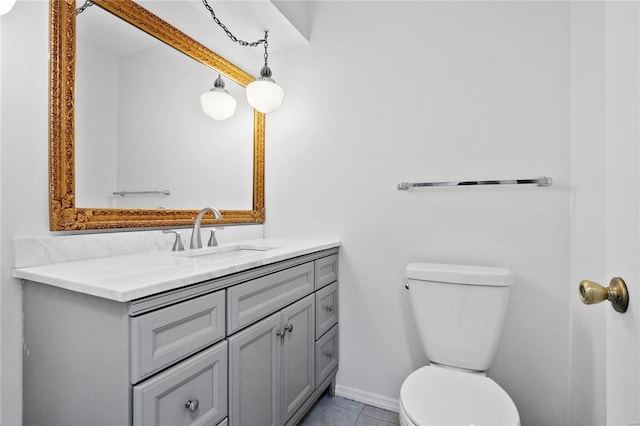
(339, 411)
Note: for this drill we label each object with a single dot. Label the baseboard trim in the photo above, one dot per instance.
(368, 398)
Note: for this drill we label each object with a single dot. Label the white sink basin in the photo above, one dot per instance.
(223, 253)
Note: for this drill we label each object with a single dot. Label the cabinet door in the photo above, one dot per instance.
(298, 352)
(255, 374)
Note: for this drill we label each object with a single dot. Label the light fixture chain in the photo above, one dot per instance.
(229, 33)
(266, 45)
(84, 7)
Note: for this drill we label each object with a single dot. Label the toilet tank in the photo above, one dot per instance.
(459, 311)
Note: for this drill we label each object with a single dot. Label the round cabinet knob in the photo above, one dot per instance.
(288, 327)
(328, 308)
(192, 405)
(592, 293)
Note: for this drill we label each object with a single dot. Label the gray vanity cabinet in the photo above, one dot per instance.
(257, 347)
(271, 366)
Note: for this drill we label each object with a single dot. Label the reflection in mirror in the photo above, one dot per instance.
(139, 127)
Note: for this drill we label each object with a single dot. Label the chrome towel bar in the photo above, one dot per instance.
(540, 181)
(123, 193)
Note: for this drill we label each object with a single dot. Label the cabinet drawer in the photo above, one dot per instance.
(250, 301)
(160, 338)
(326, 308)
(200, 381)
(326, 270)
(326, 354)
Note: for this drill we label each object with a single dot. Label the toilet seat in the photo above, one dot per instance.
(438, 396)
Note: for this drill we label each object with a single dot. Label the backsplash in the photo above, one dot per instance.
(34, 251)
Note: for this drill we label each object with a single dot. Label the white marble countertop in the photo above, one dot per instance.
(127, 277)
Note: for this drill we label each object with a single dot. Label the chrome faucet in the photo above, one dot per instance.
(177, 244)
(196, 241)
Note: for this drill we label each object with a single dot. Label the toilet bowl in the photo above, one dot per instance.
(434, 395)
(459, 311)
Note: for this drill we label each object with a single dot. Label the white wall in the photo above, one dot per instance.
(25, 88)
(409, 91)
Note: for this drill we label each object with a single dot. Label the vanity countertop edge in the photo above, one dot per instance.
(128, 277)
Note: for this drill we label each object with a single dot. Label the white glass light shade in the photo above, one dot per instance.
(218, 104)
(264, 95)
(6, 5)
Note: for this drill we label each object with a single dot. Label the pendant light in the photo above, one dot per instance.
(6, 6)
(217, 103)
(263, 94)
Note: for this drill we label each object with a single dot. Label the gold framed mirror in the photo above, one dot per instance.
(64, 214)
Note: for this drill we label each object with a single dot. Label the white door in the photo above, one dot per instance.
(623, 206)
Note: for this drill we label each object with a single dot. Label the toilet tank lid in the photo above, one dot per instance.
(460, 274)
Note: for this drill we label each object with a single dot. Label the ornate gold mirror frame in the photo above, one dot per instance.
(64, 215)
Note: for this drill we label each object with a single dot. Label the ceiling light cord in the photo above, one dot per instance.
(230, 34)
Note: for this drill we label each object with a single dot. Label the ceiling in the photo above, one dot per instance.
(247, 20)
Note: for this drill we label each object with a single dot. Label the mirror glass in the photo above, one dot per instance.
(139, 126)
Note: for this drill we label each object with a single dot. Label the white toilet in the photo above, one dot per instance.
(459, 311)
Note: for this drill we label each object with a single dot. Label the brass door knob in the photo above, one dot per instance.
(617, 293)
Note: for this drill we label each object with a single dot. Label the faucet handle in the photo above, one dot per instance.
(213, 242)
(177, 244)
